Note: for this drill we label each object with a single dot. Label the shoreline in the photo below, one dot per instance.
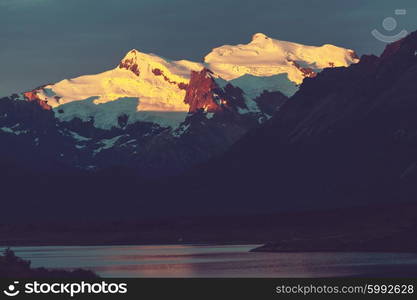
(127, 244)
(377, 228)
(258, 247)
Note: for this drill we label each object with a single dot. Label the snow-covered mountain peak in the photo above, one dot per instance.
(131, 54)
(144, 87)
(259, 36)
(147, 87)
(152, 64)
(264, 56)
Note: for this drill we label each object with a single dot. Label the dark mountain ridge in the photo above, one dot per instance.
(348, 136)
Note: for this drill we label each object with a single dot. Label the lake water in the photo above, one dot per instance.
(216, 261)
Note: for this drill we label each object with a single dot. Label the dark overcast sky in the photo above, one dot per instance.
(44, 41)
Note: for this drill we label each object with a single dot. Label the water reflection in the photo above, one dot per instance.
(216, 261)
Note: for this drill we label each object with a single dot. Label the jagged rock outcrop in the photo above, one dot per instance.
(204, 93)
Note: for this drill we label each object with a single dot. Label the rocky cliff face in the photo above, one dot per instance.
(201, 93)
(204, 93)
(32, 96)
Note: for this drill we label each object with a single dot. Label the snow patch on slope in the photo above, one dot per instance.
(253, 86)
(106, 115)
(107, 144)
(13, 130)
